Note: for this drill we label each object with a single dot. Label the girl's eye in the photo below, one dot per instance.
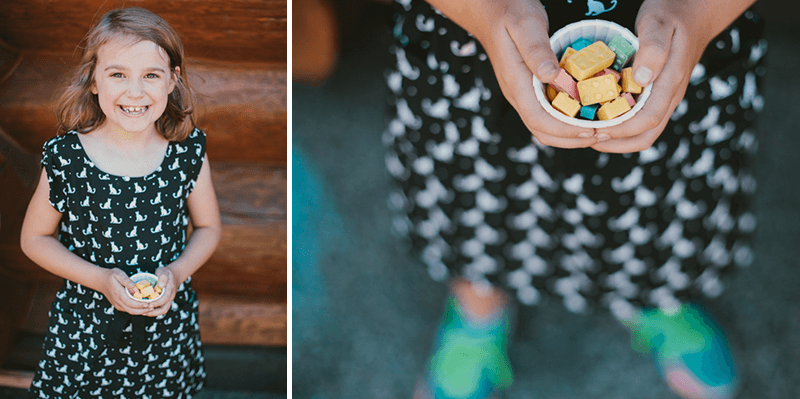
(116, 75)
(151, 76)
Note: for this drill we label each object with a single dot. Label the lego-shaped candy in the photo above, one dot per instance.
(148, 291)
(597, 90)
(565, 84)
(628, 84)
(613, 109)
(589, 61)
(581, 44)
(567, 53)
(551, 93)
(589, 111)
(609, 71)
(629, 98)
(623, 49)
(566, 105)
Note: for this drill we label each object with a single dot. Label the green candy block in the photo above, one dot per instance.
(624, 51)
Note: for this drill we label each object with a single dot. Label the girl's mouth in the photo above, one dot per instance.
(133, 111)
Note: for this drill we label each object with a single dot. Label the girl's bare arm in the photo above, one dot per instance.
(38, 242)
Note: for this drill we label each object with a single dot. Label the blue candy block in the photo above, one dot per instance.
(589, 111)
(581, 43)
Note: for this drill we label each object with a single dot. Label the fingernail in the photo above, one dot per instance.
(603, 137)
(585, 135)
(643, 76)
(547, 68)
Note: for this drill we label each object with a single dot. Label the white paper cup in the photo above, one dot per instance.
(593, 30)
(152, 278)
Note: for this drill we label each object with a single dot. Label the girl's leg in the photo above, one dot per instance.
(479, 303)
(470, 357)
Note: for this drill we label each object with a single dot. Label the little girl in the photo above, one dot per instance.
(119, 186)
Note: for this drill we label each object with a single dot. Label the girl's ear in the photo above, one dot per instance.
(94, 86)
(175, 77)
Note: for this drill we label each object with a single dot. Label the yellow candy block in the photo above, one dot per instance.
(589, 61)
(613, 109)
(148, 291)
(567, 53)
(144, 283)
(566, 105)
(628, 85)
(551, 93)
(138, 296)
(597, 90)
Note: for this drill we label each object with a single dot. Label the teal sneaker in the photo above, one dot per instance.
(470, 360)
(690, 352)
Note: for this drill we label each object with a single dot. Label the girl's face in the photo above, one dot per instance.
(132, 83)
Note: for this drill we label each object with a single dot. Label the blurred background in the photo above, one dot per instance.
(237, 62)
(365, 311)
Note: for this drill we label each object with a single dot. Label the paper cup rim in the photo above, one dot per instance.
(152, 278)
(539, 88)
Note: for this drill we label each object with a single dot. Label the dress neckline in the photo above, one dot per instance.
(88, 161)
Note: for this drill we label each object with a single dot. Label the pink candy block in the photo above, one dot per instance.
(609, 71)
(564, 83)
(629, 97)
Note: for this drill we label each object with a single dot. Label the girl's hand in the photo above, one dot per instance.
(115, 285)
(514, 35)
(672, 38)
(169, 286)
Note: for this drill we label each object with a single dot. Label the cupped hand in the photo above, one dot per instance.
(672, 38)
(169, 287)
(115, 285)
(514, 35)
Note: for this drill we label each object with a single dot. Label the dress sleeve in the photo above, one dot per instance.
(195, 157)
(55, 172)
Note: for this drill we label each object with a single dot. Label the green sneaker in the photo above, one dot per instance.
(470, 360)
(690, 351)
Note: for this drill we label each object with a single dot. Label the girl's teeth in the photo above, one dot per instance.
(134, 110)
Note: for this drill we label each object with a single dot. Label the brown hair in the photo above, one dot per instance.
(78, 108)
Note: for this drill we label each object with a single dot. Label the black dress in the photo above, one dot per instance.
(479, 198)
(135, 224)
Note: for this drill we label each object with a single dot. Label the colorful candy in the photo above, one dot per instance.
(589, 61)
(567, 53)
(628, 84)
(604, 89)
(613, 109)
(623, 50)
(566, 104)
(565, 84)
(598, 90)
(581, 43)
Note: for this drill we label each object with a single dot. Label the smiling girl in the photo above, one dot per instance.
(119, 186)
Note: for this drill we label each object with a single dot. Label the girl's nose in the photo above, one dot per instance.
(135, 88)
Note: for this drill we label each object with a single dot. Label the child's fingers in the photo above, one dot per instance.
(529, 33)
(124, 280)
(655, 38)
(159, 310)
(163, 277)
